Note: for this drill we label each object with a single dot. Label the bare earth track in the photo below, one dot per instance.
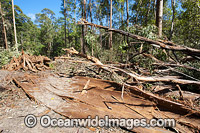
(62, 94)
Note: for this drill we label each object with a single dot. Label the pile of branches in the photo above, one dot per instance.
(188, 54)
(28, 62)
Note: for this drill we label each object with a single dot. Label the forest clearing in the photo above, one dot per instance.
(100, 60)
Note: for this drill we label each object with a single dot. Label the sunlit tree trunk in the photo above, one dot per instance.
(15, 33)
(159, 16)
(108, 13)
(83, 27)
(65, 23)
(154, 8)
(172, 26)
(127, 21)
(90, 5)
(110, 40)
(148, 10)
(122, 13)
(75, 11)
(137, 10)
(4, 29)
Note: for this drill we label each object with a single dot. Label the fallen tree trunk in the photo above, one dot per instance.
(165, 45)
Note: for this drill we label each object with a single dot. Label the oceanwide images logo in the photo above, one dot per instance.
(46, 121)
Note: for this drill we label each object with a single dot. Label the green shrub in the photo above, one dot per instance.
(6, 55)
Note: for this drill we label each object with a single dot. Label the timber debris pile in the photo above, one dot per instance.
(137, 91)
(28, 62)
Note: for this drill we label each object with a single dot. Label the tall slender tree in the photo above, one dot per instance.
(90, 6)
(147, 13)
(172, 25)
(4, 29)
(15, 32)
(127, 12)
(65, 22)
(159, 16)
(83, 27)
(110, 39)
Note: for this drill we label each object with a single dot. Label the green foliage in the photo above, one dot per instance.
(188, 25)
(6, 55)
(148, 31)
(122, 47)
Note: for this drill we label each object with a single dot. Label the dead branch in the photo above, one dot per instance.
(180, 91)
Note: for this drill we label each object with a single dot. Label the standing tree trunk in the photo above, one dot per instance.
(148, 10)
(154, 8)
(83, 28)
(75, 11)
(15, 33)
(172, 26)
(90, 5)
(127, 21)
(137, 10)
(159, 16)
(108, 13)
(65, 23)
(74, 28)
(4, 29)
(122, 13)
(110, 39)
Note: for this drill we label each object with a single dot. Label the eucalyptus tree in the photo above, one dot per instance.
(46, 20)
(188, 25)
(159, 16)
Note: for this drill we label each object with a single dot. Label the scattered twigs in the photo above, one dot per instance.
(122, 95)
(180, 92)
